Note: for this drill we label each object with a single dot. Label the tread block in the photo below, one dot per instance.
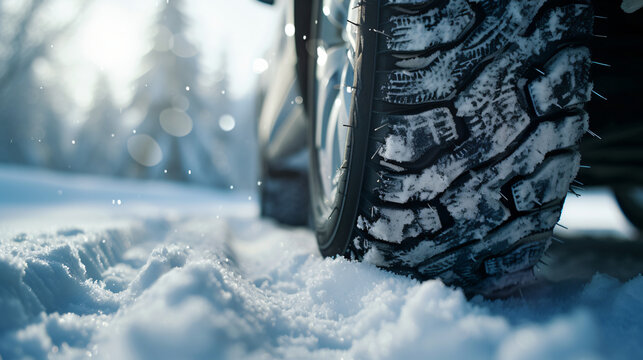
(395, 225)
(440, 266)
(475, 204)
(566, 82)
(412, 136)
(504, 284)
(413, 32)
(523, 257)
(547, 137)
(492, 111)
(550, 182)
(437, 75)
(443, 71)
(535, 227)
(408, 2)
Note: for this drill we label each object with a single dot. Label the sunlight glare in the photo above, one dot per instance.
(111, 41)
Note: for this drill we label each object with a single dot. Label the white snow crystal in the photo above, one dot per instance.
(163, 279)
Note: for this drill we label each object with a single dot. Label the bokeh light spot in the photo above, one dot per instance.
(289, 29)
(144, 150)
(175, 122)
(227, 122)
(259, 65)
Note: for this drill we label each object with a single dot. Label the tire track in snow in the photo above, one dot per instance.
(192, 287)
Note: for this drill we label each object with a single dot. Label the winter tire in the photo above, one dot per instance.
(283, 197)
(630, 199)
(445, 143)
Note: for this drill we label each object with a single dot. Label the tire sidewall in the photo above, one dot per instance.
(334, 223)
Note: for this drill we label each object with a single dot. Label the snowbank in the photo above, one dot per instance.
(107, 281)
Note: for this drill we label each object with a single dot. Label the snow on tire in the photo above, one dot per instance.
(476, 113)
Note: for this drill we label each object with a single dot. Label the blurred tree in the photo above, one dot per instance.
(171, 112)
(234, 121)
(100, 141)
(30, 128)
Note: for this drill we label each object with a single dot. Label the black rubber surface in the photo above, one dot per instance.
(630, 204)
(615, 154)
(284, 197)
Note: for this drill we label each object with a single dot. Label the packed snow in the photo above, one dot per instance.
(105, 268)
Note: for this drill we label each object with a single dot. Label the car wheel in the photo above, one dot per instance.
(283, 197)
(630, 199)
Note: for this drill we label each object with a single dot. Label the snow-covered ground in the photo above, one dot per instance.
(101, 268)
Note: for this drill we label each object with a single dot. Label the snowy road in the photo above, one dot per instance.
(118, 269)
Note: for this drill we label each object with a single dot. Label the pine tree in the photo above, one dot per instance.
(100, 141)
(30, 129)
(239, 161)
(167, 96)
